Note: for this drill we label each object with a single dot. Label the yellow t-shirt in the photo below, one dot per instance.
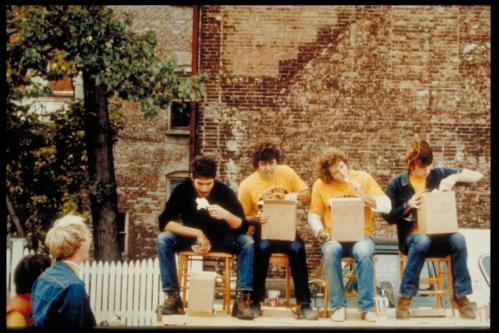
(419, 186)
(322, 192)
(254, 188)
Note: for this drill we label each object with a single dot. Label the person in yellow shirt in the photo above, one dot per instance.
(30, 267)
(272, 180)
(337, 180)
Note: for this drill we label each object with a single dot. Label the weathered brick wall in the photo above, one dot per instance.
(144, 154)
(362, 78)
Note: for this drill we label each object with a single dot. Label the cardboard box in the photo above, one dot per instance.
(201, 293)
(281, 224)
(438, 213)
(347, 219)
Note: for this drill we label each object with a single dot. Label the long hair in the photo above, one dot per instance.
(418, 152)
(328, 158)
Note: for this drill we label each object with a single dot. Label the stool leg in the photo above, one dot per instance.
(326, 298)
(438, 297)
(182, 279)
(227, 286)
(288, 285)
(450, 286)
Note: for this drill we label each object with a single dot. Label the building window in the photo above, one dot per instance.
(173, 179)
(179, 118)
(123, 234)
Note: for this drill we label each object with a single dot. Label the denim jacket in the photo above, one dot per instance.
(399, 190)
(59, 299)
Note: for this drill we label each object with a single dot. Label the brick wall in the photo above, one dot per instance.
(144, 154)
(362, 78)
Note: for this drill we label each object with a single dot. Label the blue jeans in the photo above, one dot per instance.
(297, 261)
(418, 246)
(168, 243)
(362, 251)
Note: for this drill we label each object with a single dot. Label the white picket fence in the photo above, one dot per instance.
(131, 289)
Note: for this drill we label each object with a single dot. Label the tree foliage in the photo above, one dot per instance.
(46, 168)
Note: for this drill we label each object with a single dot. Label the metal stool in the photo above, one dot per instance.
(282, 259)
(183, 271)
(437, 281)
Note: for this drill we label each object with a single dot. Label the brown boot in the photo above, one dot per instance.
(403, 305)
(464, 307)
(241, 309)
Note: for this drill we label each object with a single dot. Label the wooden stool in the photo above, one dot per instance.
(437, 281)
(183, 272)
(282, 259)
(348, 276)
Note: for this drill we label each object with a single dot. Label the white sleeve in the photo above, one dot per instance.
(383, 204)
(314, 221)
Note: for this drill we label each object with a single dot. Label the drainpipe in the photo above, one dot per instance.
(194, 70)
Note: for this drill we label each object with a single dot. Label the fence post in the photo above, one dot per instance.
(17, 254)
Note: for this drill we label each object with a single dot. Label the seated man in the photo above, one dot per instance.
(275, 181)
(337, 180)
(212, 219)
(404, 191)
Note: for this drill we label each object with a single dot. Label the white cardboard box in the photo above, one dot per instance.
(438, 213)
(201, 293)
(347, 219)
(281, 223)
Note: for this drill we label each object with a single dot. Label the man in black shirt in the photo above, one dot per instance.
(211, 219)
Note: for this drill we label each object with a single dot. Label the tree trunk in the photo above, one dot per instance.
(103, 197)
(13, 216)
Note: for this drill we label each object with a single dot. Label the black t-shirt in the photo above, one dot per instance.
(182, 205)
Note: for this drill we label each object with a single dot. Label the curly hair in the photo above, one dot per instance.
(328, 158)
(418, 152)
(266, 151)
(204, 166)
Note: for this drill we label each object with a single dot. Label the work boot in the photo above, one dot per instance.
(241, 308)
(172, 304)
(403, 305)
(305, 311)
(464, 307)
(257, 309)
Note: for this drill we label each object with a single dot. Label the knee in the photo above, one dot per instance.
(420, 243)
(245, 241)
(165, 239)
(363, 251)
(458, 242)
(331, 248)
(263, 245)
(297, 247)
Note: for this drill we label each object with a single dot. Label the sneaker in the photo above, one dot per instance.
(257, 309)
(172, 305)
(305, 311)
(464, 307)
(339, 314)
(368, 316)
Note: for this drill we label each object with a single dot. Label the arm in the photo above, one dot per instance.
(465, 176)
(220, 213)
(73, 311)
(398, 208)
(179, 229)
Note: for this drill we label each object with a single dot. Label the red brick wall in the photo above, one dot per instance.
(362, 78)
(144, 154)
